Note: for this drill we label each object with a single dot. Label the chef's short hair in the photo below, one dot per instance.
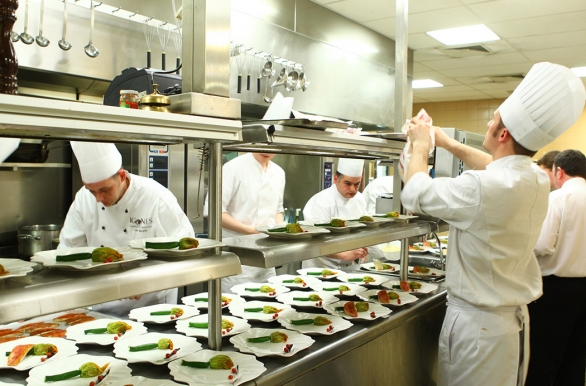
(572, 162)
(547, 160)
(517, 147)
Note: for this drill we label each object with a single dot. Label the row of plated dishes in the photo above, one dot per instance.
(296, 302)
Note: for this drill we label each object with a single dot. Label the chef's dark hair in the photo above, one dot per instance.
(517, 147)
(572, 162)
(547, 159)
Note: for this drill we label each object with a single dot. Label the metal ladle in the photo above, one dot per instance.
(292, 79)
(282, 76)
(25, 37)
(89, 49)
(64, 44)
(268, 69)
(41, 40)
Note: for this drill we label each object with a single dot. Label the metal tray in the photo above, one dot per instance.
(304, 123)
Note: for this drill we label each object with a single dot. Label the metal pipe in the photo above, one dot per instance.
(404, 264)
(215, 232)
(401, 61)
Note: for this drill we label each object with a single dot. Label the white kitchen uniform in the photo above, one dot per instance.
(147, 209)
(377, 187)
(252, 196)
(495, 217)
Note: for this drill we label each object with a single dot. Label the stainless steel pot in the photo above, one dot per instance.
(36, 238)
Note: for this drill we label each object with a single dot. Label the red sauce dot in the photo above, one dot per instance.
(115, 338)
(230, 376)
(43, 359)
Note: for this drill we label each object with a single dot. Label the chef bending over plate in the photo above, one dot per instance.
(114, 207)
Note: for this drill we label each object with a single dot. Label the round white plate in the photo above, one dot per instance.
(418, 248)
(298, 340)
(9, 384)
(249, 368)
(378, 310)
(238, 310)
(183, 344)
(240, 325)
(65, 349)
(350, 277)
(350, 225)
(432, 272)
(326, 287)
(425, 287)
(48, 259)
(118, 370)
(204, 244)
(77, 334)
(338, 324)
(198, 301)
(378, 221)
(288, 298)
(142, 381)
(241, 289)
(370, 267)
(143, 314)
(404, 218)
(308, 280)
(16, 267)
(309, 232)
(316, 272)
(404, 298)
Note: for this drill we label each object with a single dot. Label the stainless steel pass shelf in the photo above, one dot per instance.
(264, 252)
(293, 140)
(52, 290)
(23, 165)
(28, 117)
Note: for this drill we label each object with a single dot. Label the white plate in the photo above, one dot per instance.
(240, 325)
(403, 218)
(378, 279)
(370, 267)
(118, 370)
(48, 258)
(377, 222)
(310, 231)
(249, 368)
(432, 272)
(240, 289)
(423, 249)
(77, 334)
(9, 384)
(16, 267)
(183, 344)
(354, 288)
(298, 340)
(404, 298)
(238, 310)
(338, 324)
(309, 280)
(305, 271)
(425, 287)
(288, 298)
(349, 226)
(65, 349)
(143, 314)
(142, 381)
(191, 300)
(204, 244)
(379, 311)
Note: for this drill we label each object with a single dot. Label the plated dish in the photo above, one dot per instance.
(162, 313)
(200, 300)
(308, 232)
(15, 268)
(49, 258)
(364, 278)
(338, 289)
(246, 367)
(199, 326)
(18, 349)
(321, 273)
(259, 290)
(419, 271)
(419, 248)
(424, 288)
(348, 226)
(204, 244)
(143, 381)
(373, 312)
(395, 298)
(281, 342)
(294, 281)
(311, 299)
(91, 332)
(259, 310)
(292, 321)
(386, 267)
(403, 218)
(181, 346)
(377, 221)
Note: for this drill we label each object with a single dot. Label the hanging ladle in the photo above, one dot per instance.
(14, 36)
(41, 40)
(282, 76)
(25, 37)
(89, 49)
(64, 44)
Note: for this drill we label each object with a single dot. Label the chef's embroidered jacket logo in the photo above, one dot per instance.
(141, 221)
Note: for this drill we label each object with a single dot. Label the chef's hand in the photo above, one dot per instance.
(419, 132)
(135, 297)
(354, 254)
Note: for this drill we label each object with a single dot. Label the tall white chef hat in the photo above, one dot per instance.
(350, 167)
(547, 102)
(97, 161)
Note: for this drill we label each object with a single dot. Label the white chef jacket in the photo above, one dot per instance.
(252, 196)
(559, 249)
(329, 204)
(374, 190)
(147, 209)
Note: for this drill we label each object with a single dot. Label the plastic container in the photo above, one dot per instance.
(129, 99)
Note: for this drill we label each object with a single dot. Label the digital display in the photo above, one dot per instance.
(162, 177)
(158, 162)
(158, 149)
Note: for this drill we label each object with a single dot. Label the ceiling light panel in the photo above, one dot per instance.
(464, 35)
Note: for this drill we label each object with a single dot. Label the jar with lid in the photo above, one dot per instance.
(129, 99)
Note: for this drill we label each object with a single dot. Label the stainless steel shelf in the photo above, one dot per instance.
(264, 252)
(17, 165)
(28, 117)
(292, 140)
(52, 290)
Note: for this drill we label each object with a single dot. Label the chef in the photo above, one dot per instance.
(342, 200)
(7, 147)
(114, 207)
(495, 214)
(377, 187)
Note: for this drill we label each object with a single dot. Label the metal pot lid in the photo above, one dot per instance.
(156, 98)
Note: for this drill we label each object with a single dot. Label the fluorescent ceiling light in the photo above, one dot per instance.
(355, 46)
(464, 35)
(426, 83)
(579, 71)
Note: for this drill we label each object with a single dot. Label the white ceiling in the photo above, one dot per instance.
(531, 31)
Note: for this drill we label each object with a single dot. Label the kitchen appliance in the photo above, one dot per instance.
(384, 203)
(36, 238)
(140, 79)
(446, 165)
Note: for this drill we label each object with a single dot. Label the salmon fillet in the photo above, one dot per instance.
(18, 353)
(8, 338)
(66, 317)
(54, 333)
(84, 319)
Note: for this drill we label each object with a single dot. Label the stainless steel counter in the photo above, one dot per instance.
(264, 252)
(52, 290)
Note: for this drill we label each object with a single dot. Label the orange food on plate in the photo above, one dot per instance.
(31, 326)
(419, 269)
(350, 309)
(18, 353)
(383, 297)
(84, 319)
(40, 330)
(57, 333)
(8, 338)
(7, 331)
(66, 317)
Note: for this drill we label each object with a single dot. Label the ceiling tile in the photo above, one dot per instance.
(476, 61)
(554, 40)
(554, 23)
(496, 70)
(502, 10)
(567, 56)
